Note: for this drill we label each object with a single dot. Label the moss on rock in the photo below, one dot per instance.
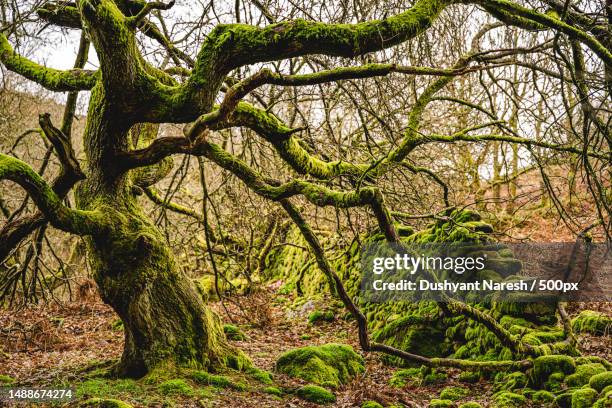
(454, 393)
(601, 381)
(583, 374)
(316, 394)
(329, 364)
(544, 366)
(507, 399)
(542, 397)
(584, 398)
(592, 322)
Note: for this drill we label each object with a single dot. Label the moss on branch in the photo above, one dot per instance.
(60, 216)
(52, 79)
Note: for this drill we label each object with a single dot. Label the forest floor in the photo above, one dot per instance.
(54, 345)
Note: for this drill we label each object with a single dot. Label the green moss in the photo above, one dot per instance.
(219, 381)
(103, 388)
(601, 381)
(262, 376)
(592, 322)
(371, 404)
(329, 364)
(105, 403)
(544, 366)
(554, 382)
(454, 393)
(507, 399)
(321, 316)
(469, 376)
(6, 380)
(509, 382)
(434, 377)
(542, 396)
(117, 325)
(175, 387)
(401, 377)
(233, 332)
(273, 391)
(316, 394)
(564, 400)
(440, 403)
(584, 398)
(470, 404)
(583, 374)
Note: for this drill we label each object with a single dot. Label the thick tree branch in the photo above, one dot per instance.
(52, 79)
(60, 216)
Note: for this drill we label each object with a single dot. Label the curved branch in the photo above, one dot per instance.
(60, 216)
(50, 78)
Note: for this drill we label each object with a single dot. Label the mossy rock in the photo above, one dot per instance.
(104, 403)
(6, 380)
(584, 398)
(506, 399)
(233, 332)
(219, 381)
(175, 387)
(604, 401)
(583, 374)
(440, 403)
(371, 404)
(316, 394)
(470, 404)
(510, 382)
(330, 364)
(554, 382)
(454, 393)
(319, 316)
(544, 366)
(592, 322)
(601, 381)
(542, 397)
(273, 391)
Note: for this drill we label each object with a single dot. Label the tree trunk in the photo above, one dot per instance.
(165, 320)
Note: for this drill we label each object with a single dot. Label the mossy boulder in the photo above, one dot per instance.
(506, 399)
(592, 322)
(454, 393)
(371, 404)
(329, 364)
(511, 381)
(316, 394)
(440, 403)
(604, 401)
(554, 382)
(542, 397)
(408, 375)
(583, 374)
(544, 366)
(584, 398)
(601, 381)
(105, 403)
(233, 332)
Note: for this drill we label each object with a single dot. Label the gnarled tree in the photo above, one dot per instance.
(164, 317)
